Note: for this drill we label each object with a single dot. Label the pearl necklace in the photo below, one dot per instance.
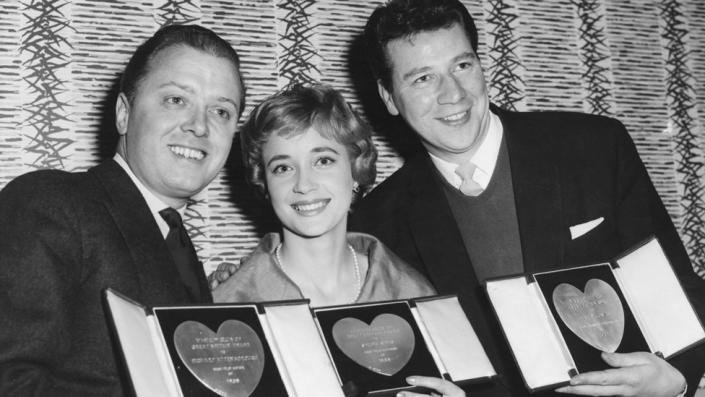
(358, 276)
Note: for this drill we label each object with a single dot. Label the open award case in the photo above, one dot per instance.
(375, 346)
(557, 323)
(233, 350)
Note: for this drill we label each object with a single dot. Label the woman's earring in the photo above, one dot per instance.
(356, 187)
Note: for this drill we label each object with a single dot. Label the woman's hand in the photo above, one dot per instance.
(442, 387)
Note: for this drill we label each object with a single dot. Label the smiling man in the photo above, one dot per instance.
(498, 193)
(67, 236)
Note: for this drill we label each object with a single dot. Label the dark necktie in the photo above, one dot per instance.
(185, 258)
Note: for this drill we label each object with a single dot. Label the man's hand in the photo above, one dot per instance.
(222, 273)
(442, 387)
(634, 374)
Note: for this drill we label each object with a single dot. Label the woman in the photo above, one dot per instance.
(310, 155)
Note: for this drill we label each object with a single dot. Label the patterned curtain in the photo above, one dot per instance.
(642, 61)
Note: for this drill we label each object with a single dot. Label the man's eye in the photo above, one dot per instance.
(174, 100)
(224, 113)
(422, 79)
(464, 65)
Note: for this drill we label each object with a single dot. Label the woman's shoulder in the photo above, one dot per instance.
(257, 278)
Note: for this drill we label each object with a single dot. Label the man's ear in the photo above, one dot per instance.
(387, 99)
(122, 113)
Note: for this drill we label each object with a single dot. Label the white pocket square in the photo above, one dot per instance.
(580, 229)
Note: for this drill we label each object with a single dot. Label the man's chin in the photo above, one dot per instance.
(186, 190)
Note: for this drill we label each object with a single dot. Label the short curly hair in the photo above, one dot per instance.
(404, 18)
(293, 111)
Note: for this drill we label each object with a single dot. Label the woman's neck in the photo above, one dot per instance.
(323, 267)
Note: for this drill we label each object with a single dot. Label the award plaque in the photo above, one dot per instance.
(220, 351)
(229, 362)
(384, 346)
(229, 350)
(558, 323)
(374, 347)
(592, 315)
(280, 349)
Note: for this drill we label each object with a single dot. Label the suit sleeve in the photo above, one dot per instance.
(640, 209)
(40, 255)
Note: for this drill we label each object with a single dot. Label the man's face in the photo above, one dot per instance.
(438, 87)
(177, 132)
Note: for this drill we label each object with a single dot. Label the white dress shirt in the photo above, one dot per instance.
(153, 202)
(484, 159)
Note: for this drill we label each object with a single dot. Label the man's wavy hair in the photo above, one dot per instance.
(194, 36)
(405, 18)
(292, 112)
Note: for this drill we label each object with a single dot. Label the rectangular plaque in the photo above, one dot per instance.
(374, 347)
(591, 313)
(220, 351)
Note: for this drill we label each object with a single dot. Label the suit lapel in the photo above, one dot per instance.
(429, 211)
(537, 195)
(442, 249)
(149, 254)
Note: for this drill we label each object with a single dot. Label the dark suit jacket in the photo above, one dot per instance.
(567, 169)
(64, 237)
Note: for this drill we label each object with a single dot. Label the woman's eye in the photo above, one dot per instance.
(325, 161)
(280, 169)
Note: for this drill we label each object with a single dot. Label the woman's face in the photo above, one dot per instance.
(310, 183)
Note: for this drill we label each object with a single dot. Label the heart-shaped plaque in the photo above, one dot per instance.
(229, 362)
(596, 316)
(384, 346)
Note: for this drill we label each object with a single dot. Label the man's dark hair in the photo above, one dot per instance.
(404, 18)
(193, 36)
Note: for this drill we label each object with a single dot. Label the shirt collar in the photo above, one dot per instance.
(485, 157)
(153, 202)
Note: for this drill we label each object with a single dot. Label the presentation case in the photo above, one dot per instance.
(287, 349)
(375, 346)
(258, 350)
(557, 323)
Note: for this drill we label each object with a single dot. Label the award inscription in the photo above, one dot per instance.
(229, 362)
(596, 316)
(384, 346)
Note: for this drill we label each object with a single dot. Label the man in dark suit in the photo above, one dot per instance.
(67, 236)
(497, 193)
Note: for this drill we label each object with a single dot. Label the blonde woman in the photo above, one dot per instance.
(309, 154)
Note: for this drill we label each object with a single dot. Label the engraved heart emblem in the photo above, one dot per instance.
(596, 316)
(229, 362)
(384, 346)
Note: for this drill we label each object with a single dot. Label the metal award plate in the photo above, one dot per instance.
(384, 346)
(596, 316)
(229, 362)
